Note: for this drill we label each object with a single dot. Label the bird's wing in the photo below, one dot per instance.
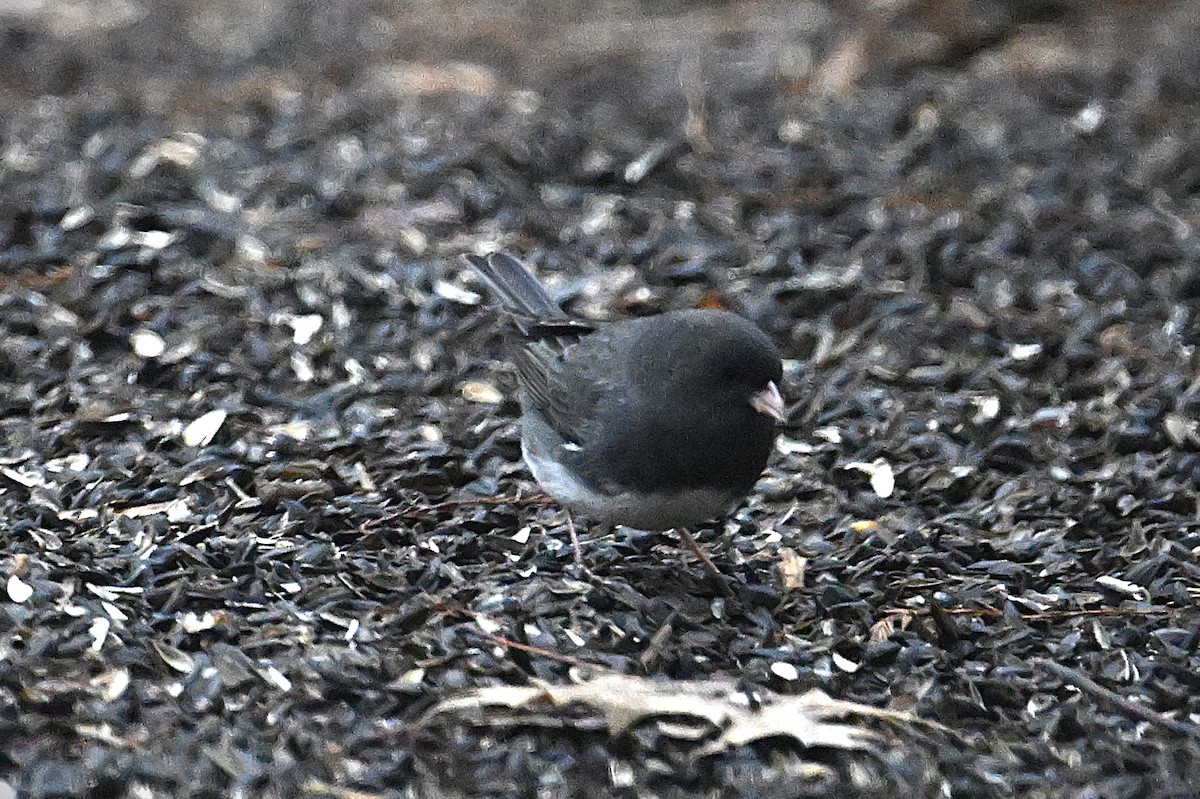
(564, 385)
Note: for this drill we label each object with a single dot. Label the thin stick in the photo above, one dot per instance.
(421, 511)
(575, 542)
(691, 544)
(1128, 707)
(1046, 616)
(545, 653)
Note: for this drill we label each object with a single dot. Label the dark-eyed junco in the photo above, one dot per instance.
(654, 423)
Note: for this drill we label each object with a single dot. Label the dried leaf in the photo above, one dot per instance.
(791, 568)
(625, 702)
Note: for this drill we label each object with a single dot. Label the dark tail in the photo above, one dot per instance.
(511, 283)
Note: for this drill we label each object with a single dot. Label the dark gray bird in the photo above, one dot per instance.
(654, 423)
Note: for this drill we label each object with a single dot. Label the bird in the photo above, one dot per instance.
(654, 423)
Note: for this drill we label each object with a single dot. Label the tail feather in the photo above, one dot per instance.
(514, 286)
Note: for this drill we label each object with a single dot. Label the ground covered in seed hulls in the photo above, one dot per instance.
(264, 529)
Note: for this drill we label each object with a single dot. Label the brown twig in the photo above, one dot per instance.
(421, 511)
(1047, 615)
(315, 787)
(1128, 707)
(694, 548)
(546, 653)
(466, 612)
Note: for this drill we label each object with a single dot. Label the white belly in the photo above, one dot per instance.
(661, 511)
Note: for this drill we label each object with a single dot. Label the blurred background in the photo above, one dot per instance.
(810, 105)
(72, 46)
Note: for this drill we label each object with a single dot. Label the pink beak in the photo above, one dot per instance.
(769, 401)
